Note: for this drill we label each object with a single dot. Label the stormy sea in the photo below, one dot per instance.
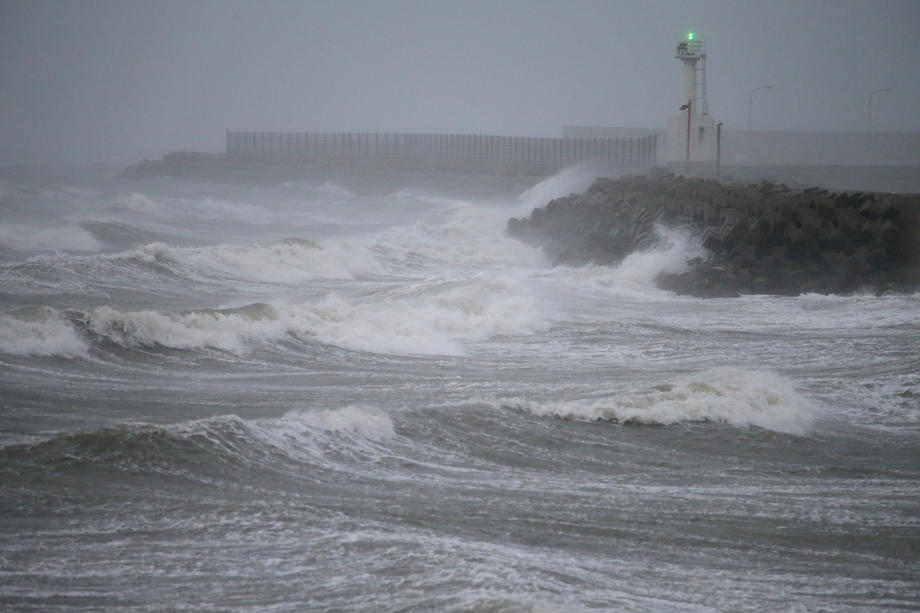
(296, 397)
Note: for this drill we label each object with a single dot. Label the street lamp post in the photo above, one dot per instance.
(869, 121)
(751, 101)
(718, 150)
(689, 108)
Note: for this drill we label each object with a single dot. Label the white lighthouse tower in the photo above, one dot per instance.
(692, 132)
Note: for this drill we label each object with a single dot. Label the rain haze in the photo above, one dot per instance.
(116, 82)
(389, 305)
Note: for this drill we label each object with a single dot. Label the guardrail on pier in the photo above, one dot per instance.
(548, 153)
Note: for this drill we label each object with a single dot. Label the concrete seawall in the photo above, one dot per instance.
(759, 238)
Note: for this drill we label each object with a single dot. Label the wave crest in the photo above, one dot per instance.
(434, 318)
(39, 331)
(67, 236)
(724, 395)
(289, 260)
(193, 447)
(231, 330)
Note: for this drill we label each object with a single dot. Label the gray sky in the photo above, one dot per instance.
(117, 81)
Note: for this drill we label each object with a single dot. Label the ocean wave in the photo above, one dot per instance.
(208, 209)
(289, 260)
(731, 396)
(194, 448)
(40, 331)
(132, 202)
(325, 434)
(116, 234)
(233, 330)
(436, 317)
(327, 188)
(285, 261)
(673, 248)
(571, 180)
(458, 233)
(67, 236)
(432, 318)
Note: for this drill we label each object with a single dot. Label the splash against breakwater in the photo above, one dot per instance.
(761, 239)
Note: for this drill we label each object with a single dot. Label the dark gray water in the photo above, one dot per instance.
(296, 398)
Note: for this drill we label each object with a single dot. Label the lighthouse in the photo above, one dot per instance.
(692, 132)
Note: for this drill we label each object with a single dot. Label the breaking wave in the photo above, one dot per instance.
(431, 318)
(234, 330)
(193, 448)
(574, 179)
(67, 236)
(723, 395)
(672, 250)
(39, 331)
(289, 260)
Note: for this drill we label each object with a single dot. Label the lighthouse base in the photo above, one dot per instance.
(702, 138)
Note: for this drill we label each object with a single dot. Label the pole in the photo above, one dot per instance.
(687, 163)
(751, 101)
(869, 122)
(718, 149)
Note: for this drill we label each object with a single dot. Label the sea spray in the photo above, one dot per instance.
(39, 331)
(290, 260)
(724, 395)
(574, 179)
(460, 233)
(232, 330)
(670, 254)
(67, 237)
(433, 317)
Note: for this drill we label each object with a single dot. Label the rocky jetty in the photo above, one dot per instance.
(759, 238)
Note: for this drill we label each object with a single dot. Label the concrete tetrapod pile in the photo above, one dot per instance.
(758, 238)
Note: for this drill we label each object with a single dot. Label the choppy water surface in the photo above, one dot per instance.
(298, 398)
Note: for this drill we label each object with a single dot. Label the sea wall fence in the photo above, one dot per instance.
(545, 153)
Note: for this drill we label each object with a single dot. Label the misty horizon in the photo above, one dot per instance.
(118, 82)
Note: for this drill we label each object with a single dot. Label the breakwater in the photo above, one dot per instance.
(758, 238)
(546, 154)
(466, 178)
(468, 164)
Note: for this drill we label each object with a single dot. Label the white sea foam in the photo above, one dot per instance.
(289, 260)
(462, 233)
(215, 209)
(361, 420)
(312, 435)
(433, 318)
(724, 395)
(67, 236)
(300, 434)
(327, 188)
(134, 202)
(233, 330)
(574, 179)
(39, 331)
(671, 253)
